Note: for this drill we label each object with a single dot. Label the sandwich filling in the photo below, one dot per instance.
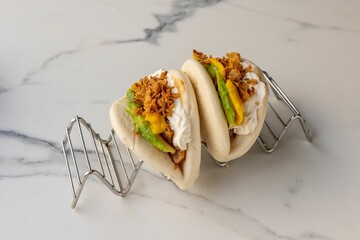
(159, 116)
(239, 88)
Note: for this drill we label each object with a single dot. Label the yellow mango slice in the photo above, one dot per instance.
(219, 66)
(236, 101)
(157, 123)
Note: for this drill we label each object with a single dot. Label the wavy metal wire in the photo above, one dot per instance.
(104, 159)
(107, 153)
(271, 145)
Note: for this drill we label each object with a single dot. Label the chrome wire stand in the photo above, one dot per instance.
(275, 139)
(106, 169)
(111, 162)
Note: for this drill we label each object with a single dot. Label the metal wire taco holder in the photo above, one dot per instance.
(117, 169)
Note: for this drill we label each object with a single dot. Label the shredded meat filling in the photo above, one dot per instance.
(154, 95)
(179, 155)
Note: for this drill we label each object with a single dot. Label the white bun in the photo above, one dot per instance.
(124, 128)
(214, 127)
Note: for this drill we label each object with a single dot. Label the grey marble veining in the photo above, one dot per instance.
(180, 10)
(66, 58)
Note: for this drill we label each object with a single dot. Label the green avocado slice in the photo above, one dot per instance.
(223, 93)
(143, 127)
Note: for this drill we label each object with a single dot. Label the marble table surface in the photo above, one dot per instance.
(59, 59)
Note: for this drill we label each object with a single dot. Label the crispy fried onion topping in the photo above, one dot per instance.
(234, 72)
(155, 96)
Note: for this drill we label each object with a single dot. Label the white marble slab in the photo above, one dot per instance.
(62, 58)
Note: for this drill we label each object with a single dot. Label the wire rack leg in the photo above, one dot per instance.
(280, 95)
(109, 155)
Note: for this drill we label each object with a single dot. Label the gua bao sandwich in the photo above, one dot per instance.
(232, 97)
(158, 120)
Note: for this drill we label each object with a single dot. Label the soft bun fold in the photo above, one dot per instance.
(214, 127)
(123, 125)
